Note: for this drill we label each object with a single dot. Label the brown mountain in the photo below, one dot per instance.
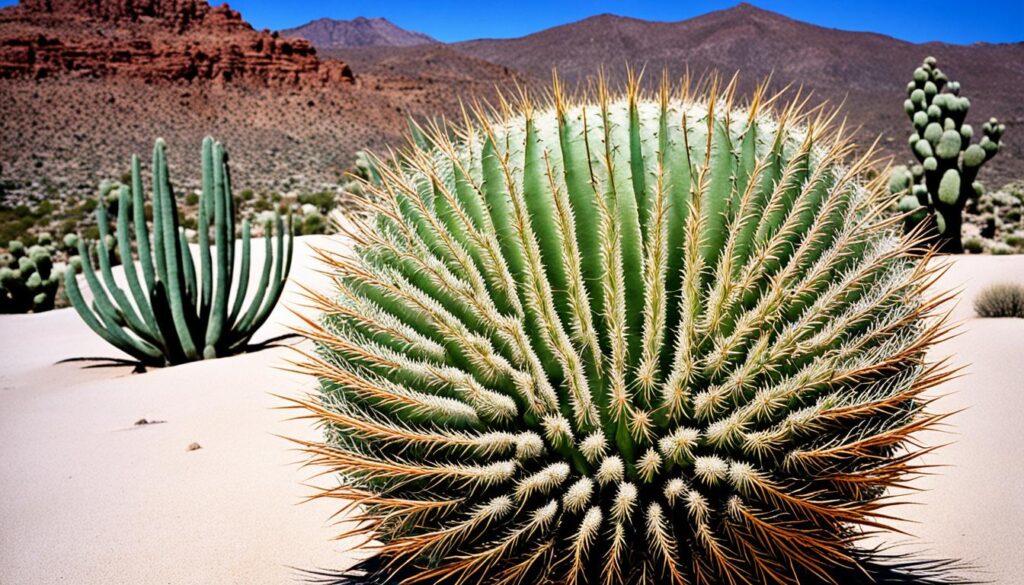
(154, 40)
(865, 72)
(67, 124)
(328, 33)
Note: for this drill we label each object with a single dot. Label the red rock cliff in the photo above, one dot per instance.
(156, 40)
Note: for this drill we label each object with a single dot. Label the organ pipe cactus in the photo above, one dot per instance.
(945, 178)
(635, 340)
(175, 312)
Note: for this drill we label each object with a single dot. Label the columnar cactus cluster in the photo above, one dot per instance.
(177, 313)
(944, 179)
(637, 340)
(28, 280)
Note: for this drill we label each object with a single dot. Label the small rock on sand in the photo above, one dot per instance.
(145, 421)
(194, 447)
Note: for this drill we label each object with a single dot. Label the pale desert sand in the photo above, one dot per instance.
(88, 498)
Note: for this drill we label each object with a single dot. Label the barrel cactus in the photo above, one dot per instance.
(634, 340)
(944, 179)
(177, 313)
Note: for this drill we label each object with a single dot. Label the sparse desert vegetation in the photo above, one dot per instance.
(1001, 300)
(640, 321)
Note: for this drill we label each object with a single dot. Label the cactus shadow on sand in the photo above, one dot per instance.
(138, 367)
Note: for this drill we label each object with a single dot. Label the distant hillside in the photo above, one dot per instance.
(865, 72)
(327, 33)
(114, 77)
(437, 62)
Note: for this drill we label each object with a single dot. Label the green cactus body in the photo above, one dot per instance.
(949, 162)
(28, 281)
(534, 367)
(949, 187)
(175, 313)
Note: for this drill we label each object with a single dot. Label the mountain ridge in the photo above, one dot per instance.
(303, 136)
(865, 72)
(330, 33)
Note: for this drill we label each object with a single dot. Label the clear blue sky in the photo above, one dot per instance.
(962, 21)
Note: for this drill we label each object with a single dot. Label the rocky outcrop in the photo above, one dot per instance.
(156, 40)
(176, 14)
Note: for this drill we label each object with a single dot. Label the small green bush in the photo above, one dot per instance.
(974, 245)
(313, 224)
(262, 204)
(997, 248)
(1001, 300)
(325, 201)
(1015, 239)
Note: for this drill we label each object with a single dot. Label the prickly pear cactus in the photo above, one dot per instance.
(635, 340)
(28, 279)
(940, 185)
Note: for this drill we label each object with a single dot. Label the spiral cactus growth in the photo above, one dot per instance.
(638, 340)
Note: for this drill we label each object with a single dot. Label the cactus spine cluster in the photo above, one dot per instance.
(641, 340)
(28, 279)
(177, 313)
(944, 179)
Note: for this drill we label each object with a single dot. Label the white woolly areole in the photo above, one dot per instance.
(710, 469)
(529, 445)
(578, 495)
(678, 446)
(674, 489)
(557, 429)
(625, 500)
(649, 464)
(612, 469)
(543, 481)
(742, 476)
(594, 446)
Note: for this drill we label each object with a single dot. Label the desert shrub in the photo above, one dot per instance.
(13, 226)
(324, 201)
(19, 221)
(313, 224)
(1001, 300)
(1015, 240)
(974, 245)
(999, 248)
(626, 342)
(262, 204)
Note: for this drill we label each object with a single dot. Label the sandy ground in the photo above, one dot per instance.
(87, 498)
(90, 498)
